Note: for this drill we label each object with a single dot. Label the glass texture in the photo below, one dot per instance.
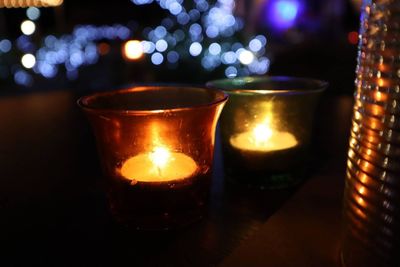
(371, 233)
(266, 128)
(156, 149)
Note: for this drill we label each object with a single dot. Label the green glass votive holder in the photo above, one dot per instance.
(266, 128)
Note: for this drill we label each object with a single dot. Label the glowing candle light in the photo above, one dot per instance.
(157, 143)
(264, 139)
(159, 165)
(266, 128)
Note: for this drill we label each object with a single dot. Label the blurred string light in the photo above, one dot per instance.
(192, 30)
(245, 57)
(200, 29)
(77, 49)
(29, 3)
(195, 49)
(142, 2)
(33, 13)
(5, 46)
(133, 50)
(157, 58)
(22, 77)
(28, 27)
(28, 61)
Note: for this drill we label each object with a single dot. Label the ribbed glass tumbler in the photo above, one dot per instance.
(371, 235)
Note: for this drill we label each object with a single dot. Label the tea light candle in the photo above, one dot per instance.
(159, 165)
(263, 139)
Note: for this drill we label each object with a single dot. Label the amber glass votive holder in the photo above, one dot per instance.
(266, 128)
(156, 149)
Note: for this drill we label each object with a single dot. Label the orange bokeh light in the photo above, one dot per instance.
(103, 48)
(352, 37)
(132, 50)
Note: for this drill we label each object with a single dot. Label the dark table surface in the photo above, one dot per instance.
(53, 211)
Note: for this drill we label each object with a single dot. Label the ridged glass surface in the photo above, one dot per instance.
(372, 193)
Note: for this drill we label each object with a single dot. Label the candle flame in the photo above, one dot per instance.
(262, 132)
(160, 156)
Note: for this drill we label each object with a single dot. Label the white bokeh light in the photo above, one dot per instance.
(214, 49)
(161, 45)
(28, 27)
(195, 49)
(28, 61)
(255, 45)
(246, 57)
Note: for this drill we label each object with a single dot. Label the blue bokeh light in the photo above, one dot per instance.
(161, 45)
(214, 49)
(157, 58)
(183, 18)
(175, 8)
(160, 32)
(167, 23)
(255, 45)
(194, 14)
(212, 31)
(47, 70)
(172, 57)
(22, 77)
(282, 14)
(142, 2)
(5, 46)
(148, 47)
(195, 29)
(231, 72)
(33, 13)
(229, 57)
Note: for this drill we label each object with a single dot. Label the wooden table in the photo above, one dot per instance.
(53, 211)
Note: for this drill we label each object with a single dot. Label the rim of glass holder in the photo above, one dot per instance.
(84, 102)
(283, 85)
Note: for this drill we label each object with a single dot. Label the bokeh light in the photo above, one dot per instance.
(28, 61)
(133, 50)
(28, 27)
(245, 57)
(352, 37)
(214, 49)
(5, 45)
(103, 48)
(202, 29)
(255, 45)
(173, 57)
(195, 49)
(142, 2)
(33, 13)
(22, 77)
(157, 58)
(161, 45)
(282, 14)
(231, 72)
(148, 47)
(29, 3)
